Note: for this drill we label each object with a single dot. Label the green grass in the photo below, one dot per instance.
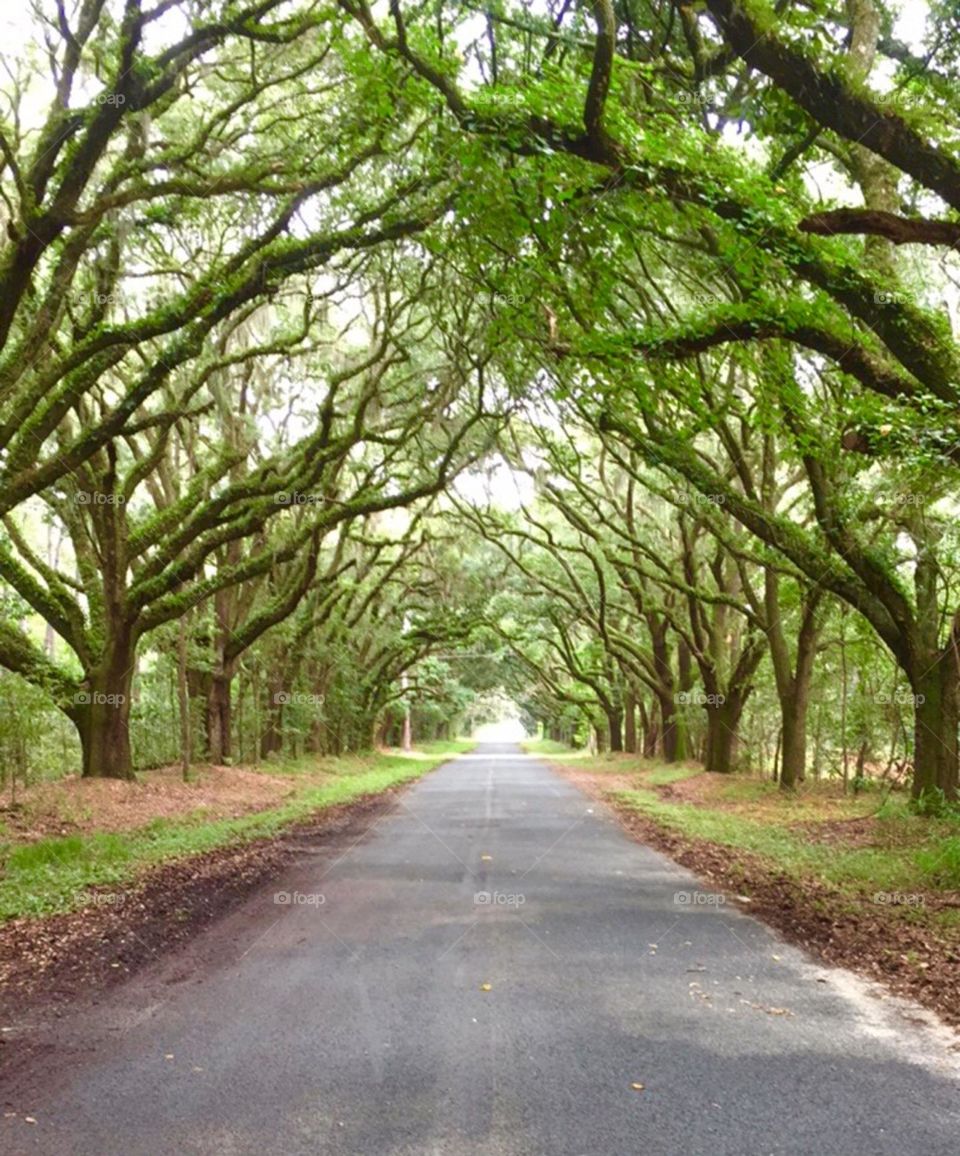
(447, 747)
(54, 875)
(914, 855)
(662, 774)
(942, 863)
(546, 747)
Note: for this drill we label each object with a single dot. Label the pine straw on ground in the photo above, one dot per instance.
(76, 805)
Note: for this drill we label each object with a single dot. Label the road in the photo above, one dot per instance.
(490, 971)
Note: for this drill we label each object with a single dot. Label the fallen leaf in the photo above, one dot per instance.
(486, 987)
(29, 1120)
(638, 1087)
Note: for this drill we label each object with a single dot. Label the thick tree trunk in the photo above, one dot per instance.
(219, 717)
(671, 730)
(670, 735)
(614, 726)
(794, 707)
(651, 735)
(793, 748)
(630, 723)
(792, 681)
(102, 712)
(935, 726)
(183, 700)
(271, 739)
(723, 719)
(598, 738)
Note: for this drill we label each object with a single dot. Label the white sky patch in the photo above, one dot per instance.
(498, 484)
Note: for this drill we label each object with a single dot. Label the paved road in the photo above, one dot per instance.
(360, 1026)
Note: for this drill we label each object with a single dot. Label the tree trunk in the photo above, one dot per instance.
(614, 726)
(630, 723)
(672, 737)
(651, 733)
(792, 681)
(598, 738)
(219, 717)
(723, 719)
(183, 699)
(935, 726)
(102, 712)
(272, 737)
(793, 749)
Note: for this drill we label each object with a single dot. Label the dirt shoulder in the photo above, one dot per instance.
(81, 806)
(909, 942)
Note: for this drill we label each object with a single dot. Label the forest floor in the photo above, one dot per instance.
(96, 877)
(855, 879)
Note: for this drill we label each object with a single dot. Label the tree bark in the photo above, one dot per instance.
(271, 739)
(102, 711)
(614, 726)
(630, 722)
(793, 745)
(219, 717)
(935, 759)
(183, 699)
(723, 720)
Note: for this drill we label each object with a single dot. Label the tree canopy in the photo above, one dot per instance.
(367, 364)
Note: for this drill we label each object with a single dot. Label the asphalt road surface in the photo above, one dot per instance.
(494, 970)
